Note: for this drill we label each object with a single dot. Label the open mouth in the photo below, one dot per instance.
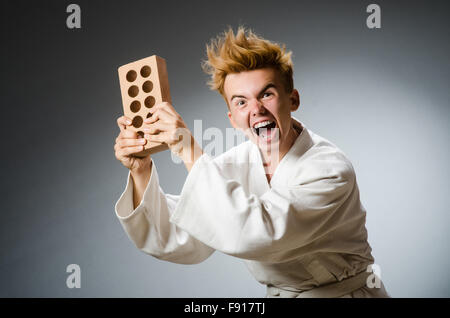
(265, 129)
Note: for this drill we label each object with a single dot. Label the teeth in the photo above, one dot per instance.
(263, 123)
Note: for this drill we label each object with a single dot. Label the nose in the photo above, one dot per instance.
(257, 107)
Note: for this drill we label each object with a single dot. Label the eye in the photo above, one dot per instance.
(240, 103)
(267, 94)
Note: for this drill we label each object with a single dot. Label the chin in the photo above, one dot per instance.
(267, 142)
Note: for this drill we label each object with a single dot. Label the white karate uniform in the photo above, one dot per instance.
(304, 229)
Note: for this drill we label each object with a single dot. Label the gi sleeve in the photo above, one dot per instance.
(269, 228)
(149, 228)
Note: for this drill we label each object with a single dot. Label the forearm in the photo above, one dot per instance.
(140, 182)
(191, 154)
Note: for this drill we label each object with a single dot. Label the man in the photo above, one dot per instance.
(286, 201)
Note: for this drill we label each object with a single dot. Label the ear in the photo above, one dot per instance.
(295, 100)
(230, 117)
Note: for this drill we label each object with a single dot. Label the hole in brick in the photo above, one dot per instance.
(147, 86)
(140, 134)
(133, 91)
(137, 121)
(149, 115)
(149, 101)
(131, 76)
(135, 106)
(145, 71)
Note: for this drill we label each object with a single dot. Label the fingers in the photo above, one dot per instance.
(164, 126)
(158, 127)
(126, 147)
(124, 152)
(123, 122)
(166, 110)
(165, 132)
(166, 106)
(128, 138)
(128, 141)
(123, 143)
(128, 133)
(170, 137)
(164, 137)
(160, 114)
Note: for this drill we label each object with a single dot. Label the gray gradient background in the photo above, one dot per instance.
(381, 95)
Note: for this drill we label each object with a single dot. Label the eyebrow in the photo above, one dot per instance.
(270, 85)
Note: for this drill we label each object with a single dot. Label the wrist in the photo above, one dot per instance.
(191, 154)
(142, 171)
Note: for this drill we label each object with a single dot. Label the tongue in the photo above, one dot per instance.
(265, 132)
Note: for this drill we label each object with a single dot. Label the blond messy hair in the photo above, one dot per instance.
(245, 51)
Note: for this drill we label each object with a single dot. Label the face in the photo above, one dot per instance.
(260, 106)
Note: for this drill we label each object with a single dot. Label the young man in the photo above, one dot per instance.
(286, 201)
